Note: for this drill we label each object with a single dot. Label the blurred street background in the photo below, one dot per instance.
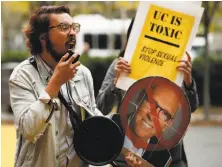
(103, 34)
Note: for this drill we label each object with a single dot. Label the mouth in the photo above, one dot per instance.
(146, 124)
(72, 41)
(71, 44)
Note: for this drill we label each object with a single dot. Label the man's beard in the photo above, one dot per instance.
(70, 44)
(55, 55)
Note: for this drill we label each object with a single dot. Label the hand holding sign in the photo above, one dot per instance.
(121, 66)
(161, 34)
(133, 161)
(186, 67)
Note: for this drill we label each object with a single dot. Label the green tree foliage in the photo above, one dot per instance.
(210, 10)
(215, 87)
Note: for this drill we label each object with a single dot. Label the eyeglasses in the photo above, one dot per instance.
(66, 27)
(163, 114)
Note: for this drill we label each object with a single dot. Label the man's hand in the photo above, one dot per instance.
(186, 67)
(132, 160)
(121, 66)
(63, 72)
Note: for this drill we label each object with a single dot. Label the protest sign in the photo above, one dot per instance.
(161, 34)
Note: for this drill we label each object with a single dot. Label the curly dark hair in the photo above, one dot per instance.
(38, 25)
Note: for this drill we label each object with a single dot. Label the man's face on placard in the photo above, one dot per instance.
(166, 101)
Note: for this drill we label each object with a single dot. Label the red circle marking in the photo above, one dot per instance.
(162, 144)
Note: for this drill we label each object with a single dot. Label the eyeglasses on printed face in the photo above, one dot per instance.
(66, 27)
(163, 114)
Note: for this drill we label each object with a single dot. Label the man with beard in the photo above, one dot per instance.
(42, 121)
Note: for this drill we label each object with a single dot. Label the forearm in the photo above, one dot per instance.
(192, 96)
(53, 87)
(106, 99)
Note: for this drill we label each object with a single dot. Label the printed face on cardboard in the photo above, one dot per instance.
(152, 112)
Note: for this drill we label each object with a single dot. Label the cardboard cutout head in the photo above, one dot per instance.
(154, 107)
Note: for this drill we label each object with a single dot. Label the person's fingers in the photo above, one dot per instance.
(117, 70)
(129, 157)
(123, 67)
(73, 66)
(130, 154)
(130, 163)
(72, 58)
(187, 63)
(139, 163)
(64, 57)
(184, 66)
(123, 64)
(128, 160)
(184, 70)
(123, 60)
(134, 160)
(188, 56)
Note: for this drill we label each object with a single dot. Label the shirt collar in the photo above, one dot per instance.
(44, 70)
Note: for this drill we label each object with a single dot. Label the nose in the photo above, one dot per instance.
(72, 32)
(148, 116)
